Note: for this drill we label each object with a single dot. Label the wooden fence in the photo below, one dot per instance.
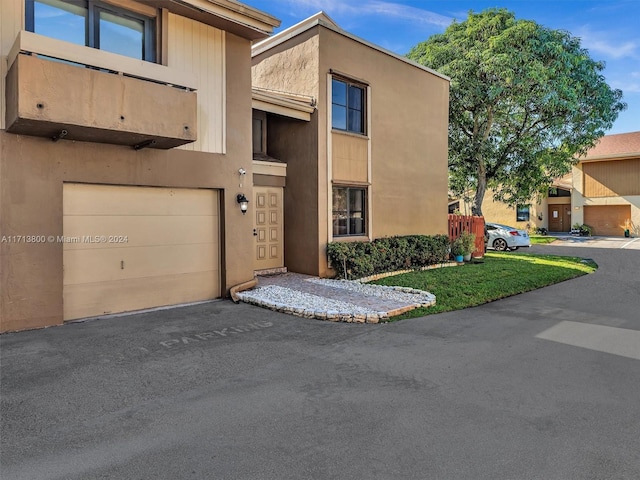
(471, 224)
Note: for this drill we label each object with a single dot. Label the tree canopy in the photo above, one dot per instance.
(525, 101)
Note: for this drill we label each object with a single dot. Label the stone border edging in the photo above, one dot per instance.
(378, 276)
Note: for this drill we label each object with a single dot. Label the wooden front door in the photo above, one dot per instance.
(559, 218)
(269, 238)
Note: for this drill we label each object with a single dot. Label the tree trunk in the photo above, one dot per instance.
(476, 208)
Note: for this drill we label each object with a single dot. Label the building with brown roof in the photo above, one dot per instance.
(606, 186)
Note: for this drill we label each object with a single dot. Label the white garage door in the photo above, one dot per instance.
(129, 248)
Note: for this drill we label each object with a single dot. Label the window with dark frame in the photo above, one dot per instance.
(522, 213)
(258, 135)
(93, 24)
(347, 106)
(349, 207)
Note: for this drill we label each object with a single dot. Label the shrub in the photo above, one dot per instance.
(361, 259)
(457, 247)
(468, 242)
(582, 230)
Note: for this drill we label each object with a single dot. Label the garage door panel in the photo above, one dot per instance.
(138, 230)
(116, 264)
(171, 254)
(607, 219)
(85, 199)
(92, 299)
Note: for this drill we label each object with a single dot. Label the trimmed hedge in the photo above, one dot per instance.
(361, 259)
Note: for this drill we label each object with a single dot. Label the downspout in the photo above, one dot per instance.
(240, 288)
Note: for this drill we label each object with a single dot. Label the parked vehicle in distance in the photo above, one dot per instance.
(502, 237)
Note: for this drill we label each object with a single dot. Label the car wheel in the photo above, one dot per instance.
(499, 244)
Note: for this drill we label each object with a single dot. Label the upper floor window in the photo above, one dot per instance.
(94, 24)
(347, 106)
(259, 132)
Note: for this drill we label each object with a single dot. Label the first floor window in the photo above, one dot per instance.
(349, 204)
(94, 24)
(522, 213)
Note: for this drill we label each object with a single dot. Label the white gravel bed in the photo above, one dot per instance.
(295, 302)
(305, 304)
(400, 294)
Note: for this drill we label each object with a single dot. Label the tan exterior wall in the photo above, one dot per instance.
(408, 119)
(579, 199)
(105, 108)
(11, 22)
(33, 170)
(290, 67)
(297, 143)
(200, 49)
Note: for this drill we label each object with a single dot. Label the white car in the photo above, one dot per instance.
(502, 237)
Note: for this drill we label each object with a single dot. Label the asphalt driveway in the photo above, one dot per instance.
(543, 385)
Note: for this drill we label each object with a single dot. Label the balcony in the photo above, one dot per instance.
(59, 90)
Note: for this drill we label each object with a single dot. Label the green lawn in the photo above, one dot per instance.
(541, 239)
(499, 275)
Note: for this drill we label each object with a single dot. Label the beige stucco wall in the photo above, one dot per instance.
(408, 121)
(290, 67)
(106, 108)
(11, 22)
(32, 172)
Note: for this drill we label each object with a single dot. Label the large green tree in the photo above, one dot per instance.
(525, 100)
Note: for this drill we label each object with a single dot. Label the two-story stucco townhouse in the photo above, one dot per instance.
(371, 160)
(606, 186)
(128, 142)
(124, 129)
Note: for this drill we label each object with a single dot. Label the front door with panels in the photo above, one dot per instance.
(559, 218)
(268, 231)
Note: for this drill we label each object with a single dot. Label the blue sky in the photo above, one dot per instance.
(610, 29)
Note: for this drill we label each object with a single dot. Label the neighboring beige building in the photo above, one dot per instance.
(120, 167)
(603, 191)
(606, 186)
(552, 212)
(371, 161)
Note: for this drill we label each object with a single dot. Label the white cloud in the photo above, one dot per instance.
(376, 8)
(605, 43)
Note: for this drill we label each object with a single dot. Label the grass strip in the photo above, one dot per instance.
(541, 239)
(497, 276)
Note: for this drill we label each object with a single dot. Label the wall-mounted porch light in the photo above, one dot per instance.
(244, 203)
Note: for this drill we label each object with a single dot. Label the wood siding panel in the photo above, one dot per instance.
(350, 158)
(612, 178)
(200, 49)
(165, 250)
(11, 22)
